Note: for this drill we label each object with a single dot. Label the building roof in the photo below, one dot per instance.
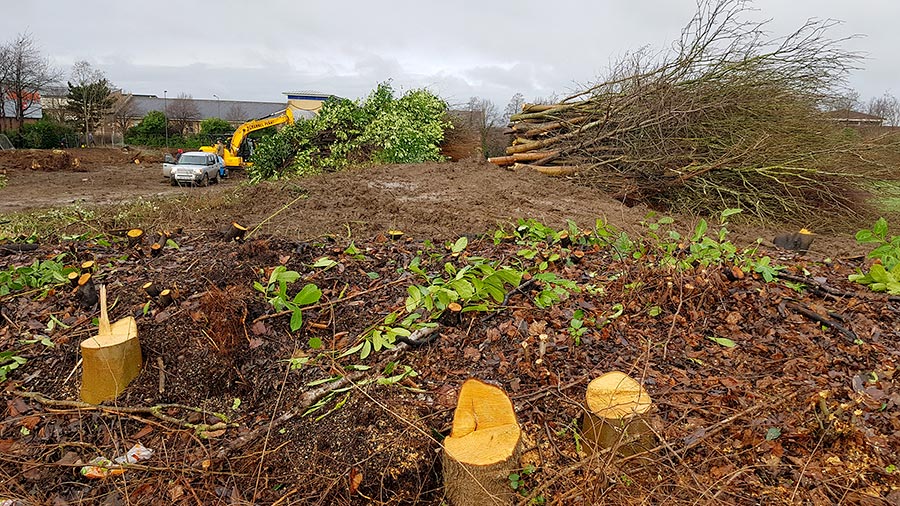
(55, 91)
(308, 93)
(210, 108)
(849, 115)
(33, 112)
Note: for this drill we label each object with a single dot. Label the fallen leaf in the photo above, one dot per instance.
(143, 432)
(30, 422)
(356, 478)
(259, 328)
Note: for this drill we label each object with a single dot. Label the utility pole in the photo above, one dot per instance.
(218, 107)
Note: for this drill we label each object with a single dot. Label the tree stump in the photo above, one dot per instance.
(616, 418)
(111, 359)
(134, 236)
(483, 447)
(236, 232)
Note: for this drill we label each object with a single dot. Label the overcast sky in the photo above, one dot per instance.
(240, 50)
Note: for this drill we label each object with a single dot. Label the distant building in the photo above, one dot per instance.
(854, 118)
(305, 104)
(8, 118)
(133, 108)
(54, 100)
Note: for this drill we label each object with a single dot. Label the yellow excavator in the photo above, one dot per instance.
(231, 151)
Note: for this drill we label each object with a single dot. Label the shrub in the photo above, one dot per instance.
(44, 134)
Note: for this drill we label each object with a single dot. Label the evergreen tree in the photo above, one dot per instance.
(90, 97)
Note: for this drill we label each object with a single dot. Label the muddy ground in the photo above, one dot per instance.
(800, 405)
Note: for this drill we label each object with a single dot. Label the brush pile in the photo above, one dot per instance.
(728, 118)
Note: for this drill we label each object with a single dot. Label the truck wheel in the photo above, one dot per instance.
(205, 181)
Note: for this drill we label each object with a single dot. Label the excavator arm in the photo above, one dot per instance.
(232, 159)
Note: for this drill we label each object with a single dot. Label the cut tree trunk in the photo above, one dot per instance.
(482, 448)
(236, 232)
(111, 359)
(88, 266)
(150, 289)
(617, 415)
(166, 297)
(86, 291)
(73, 278)
(135, 236)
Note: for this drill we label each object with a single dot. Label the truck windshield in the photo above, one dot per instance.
(192, 160)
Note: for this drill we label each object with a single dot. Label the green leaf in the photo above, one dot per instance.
(773, 433)
(879, 274)
(315, 342)
(700, 230)
(864, 236)
(172, 244)
(296, 319)
(324, 262)
(310, 294)
(729, 212)
(880, 228)
(460, 244)
(722, 341)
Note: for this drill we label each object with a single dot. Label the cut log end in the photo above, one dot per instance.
(150, 289)
(111, 359)
(135, 235)
(617, 415)
(166, 297)
(236, 232)
(483, 447)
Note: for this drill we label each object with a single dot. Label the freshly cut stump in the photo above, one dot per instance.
(483, 447)
(236, 232)
(112, 358)
(616, 418)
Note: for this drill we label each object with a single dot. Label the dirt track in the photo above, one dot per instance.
(38, 179)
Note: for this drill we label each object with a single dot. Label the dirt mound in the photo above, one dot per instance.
(438, 200)
(75, 160)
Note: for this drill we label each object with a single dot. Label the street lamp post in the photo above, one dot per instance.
(166, 113)
(218, 107)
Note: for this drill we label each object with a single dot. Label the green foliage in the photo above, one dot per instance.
(474, 286)
(43, 134)
(151, 131)
(276, 293)
(9, 361)
(88, 102)
(215, 126)
(379, 129)
(884, 275)
(38, 275)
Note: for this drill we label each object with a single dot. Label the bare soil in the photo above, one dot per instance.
(796, 411)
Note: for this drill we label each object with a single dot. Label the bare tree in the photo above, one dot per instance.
(4, 77)
(183, 113)
(886, 106)
(26, 72)
(124, 112)
(483, 118)
(236, 114)
(513, 107)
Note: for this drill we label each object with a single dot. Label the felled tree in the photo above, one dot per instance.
(379, 129)
(729, 118)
